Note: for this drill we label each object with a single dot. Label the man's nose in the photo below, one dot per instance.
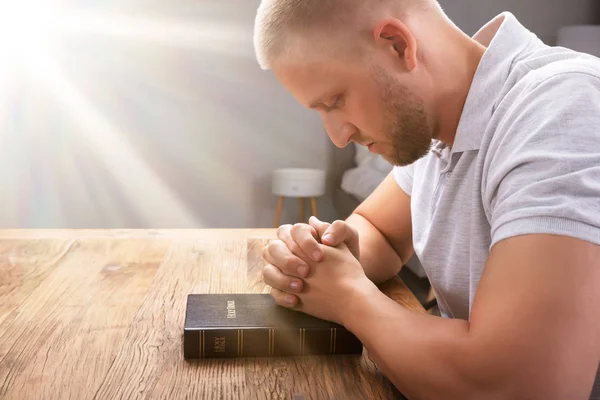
(338, 131)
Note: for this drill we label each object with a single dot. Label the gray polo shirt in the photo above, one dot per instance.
(526, 159)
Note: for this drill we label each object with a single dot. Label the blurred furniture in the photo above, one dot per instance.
(99, 314)
(356, 173)
(582, 38)
(300, 183)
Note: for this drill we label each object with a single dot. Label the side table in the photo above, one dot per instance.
(300, 183)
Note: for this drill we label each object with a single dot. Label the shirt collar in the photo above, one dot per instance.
(505, 38)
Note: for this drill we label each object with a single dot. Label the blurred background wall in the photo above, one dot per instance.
(543, 17)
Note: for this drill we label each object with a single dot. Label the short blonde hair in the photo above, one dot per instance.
(281, 24)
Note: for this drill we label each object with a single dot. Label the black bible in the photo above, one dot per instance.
(253, 325)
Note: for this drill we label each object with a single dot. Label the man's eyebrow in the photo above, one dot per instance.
(319, 100)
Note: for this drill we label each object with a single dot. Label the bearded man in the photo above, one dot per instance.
(495, 142)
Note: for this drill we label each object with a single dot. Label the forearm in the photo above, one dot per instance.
(378, 258)
(424, 356)
(525, 339)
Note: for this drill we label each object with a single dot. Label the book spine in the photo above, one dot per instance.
(268, 342)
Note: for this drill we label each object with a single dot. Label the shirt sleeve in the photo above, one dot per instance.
(404, 177)
(543, 168)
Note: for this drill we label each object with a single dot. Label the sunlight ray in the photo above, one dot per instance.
(206, 35)
(134, 177)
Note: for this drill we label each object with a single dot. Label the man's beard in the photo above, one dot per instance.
(405, 123)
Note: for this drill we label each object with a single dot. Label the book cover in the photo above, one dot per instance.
(253, 325)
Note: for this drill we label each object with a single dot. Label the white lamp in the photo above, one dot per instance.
(582, 38)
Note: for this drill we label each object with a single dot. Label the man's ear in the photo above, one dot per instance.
(393, 34)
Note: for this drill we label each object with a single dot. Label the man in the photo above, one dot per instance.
(496, 187)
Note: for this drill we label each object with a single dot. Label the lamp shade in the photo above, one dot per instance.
(582, 38)
(299, 182)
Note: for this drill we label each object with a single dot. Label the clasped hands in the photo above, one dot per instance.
(315, 268)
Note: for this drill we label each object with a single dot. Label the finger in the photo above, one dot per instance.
(341, 232)
(278, 254)
(284, 299)
(284, 234)
(273, 277)
(319, 225)
(306, 237)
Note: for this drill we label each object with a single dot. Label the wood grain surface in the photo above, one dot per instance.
(88, 314)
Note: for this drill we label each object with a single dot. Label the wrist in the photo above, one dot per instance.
(357, 303)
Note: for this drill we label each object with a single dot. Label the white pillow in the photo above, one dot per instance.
(364, 158)
(362, 154)
(361, 182)
(370, 171)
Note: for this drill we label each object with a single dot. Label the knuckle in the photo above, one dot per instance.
(299, 229)
(290, 262)
(266, 270)
(265, 252)
(272, 275)
(268, 247)
(270, 269)
(265, 277)
(303, 235)
(274, 293)
(296, 250)
(310, 245)
(302, 241)
(281, 253)
(282, 230)
(338, 225)
(279, 301)
(274, 246)
(281, 297)
(295, 229)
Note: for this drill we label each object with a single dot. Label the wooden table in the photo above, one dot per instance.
(99, 314)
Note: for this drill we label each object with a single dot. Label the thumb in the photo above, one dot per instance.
(320, 226)
(340, 232)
